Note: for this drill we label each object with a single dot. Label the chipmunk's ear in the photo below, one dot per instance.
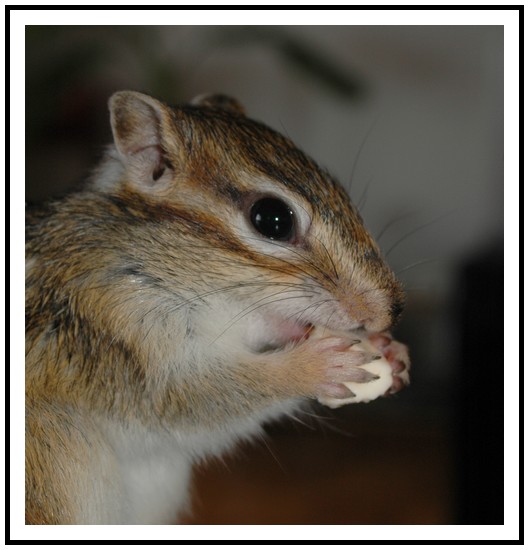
(219, 101)
(139, 124)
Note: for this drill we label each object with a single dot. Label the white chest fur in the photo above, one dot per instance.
(152, 475)
(156, 486)
(152, 470)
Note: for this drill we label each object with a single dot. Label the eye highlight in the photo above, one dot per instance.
(273, 218)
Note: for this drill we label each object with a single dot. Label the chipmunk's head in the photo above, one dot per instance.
(267, 219)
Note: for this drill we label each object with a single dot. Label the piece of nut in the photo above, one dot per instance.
(366, 391)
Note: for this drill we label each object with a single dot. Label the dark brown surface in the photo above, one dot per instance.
(388, 467)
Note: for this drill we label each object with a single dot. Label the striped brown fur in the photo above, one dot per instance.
(126, 278)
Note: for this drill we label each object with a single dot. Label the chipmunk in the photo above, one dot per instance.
(170, 304)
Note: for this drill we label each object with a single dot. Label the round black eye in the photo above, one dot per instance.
(273, 219)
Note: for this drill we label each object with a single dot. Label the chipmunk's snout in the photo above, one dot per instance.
(386, 320)
(374, 309)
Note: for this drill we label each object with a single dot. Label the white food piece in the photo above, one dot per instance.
(367, 391)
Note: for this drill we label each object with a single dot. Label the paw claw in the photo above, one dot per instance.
(396, 354)
(398, 366)
(336, 391)
(364, 376)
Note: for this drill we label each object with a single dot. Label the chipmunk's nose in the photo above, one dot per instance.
(396, 309)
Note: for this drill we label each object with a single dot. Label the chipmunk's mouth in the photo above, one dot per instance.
(295, 332)
(283, 332)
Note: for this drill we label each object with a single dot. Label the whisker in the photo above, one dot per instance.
(262, 438)
(239, 316)
(416, 289)
(306, 259)
(363, 198)
(284, 129)
(296, 419)
(374, 289)
(392, 222)
(317, 417)
(243, 312)
(315, 305)
(326, 324)
(359, 152)
(335, 429)
(416, 264)
(410, 233)
(329, 256)
(237, 286)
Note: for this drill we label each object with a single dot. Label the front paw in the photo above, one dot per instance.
(397, 356)
(332, 363)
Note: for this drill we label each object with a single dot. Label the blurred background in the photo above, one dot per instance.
(410, 119)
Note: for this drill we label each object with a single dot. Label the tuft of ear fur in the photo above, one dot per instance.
(219, 101)
(138, 123)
